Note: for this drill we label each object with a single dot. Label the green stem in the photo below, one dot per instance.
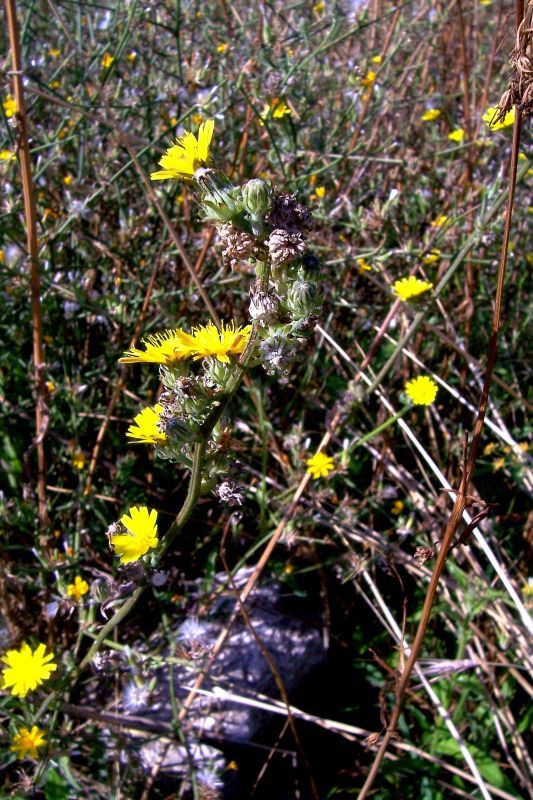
(386, 424)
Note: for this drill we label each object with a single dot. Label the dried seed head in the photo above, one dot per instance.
(230, 492)
(285, 246)
(237, 245)
(263, 305)
(289, 214)
(423, 554)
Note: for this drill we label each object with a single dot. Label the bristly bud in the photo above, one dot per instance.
(263, 305)
(303, 299)
(285, 246)
(257, 198)
(216, 371)
(309, 268)
(230, 492)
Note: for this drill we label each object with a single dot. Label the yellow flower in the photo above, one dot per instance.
(498, 464)
(165, 348)
(363, 265)
(369, 78)
(132, 56)
(78, 460)
(67, 180)
(144, 427)
(397, 507)
(78, 588)
(51, 387)
(431, 114)
(320, 191)
(6, 155)
(10, 106)
(319, 465)
(377, 59)
(422, 390)
(319, 7)
(489, 448)
(491, 112)
(277, 109)
(229, 341)
(107, 60)
(26, 742)
(440, 221)
(141, 534)
(54, 52)
(26, 670)
(457, 135)
(432, 256)
(187, 155)
(406, 288)
(222, 47)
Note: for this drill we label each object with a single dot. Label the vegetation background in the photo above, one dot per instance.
(108, 86)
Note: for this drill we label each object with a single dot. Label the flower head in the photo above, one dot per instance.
(145, 426)
(78, 460)
(165, 348)
(422, 390)
(107, 60)
(229, 341)
(141, 536)
(7, 155)
(320, 465)
(369, 78)
(406, 288)
(10, 106)
(27, 742)
(187, 155)
(77, 589)
(431, 114)
(26, 670)
(432, 256)
(490, 118)
(457, 135)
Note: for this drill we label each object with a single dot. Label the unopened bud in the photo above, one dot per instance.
(303, 299)
(257, 197)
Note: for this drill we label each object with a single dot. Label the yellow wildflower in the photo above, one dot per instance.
(320, 191)
(141, 536)
(363, 265)
(145, 426)
(457, 135)
(55, 52)
(406, 288)
(498, 464)
(377, 59)
(51, 387)
(229, 341)
(77, 589)
(277, 109)
(430, 115)
(422, 390)
(78, 460)
(107, 60)
(67, 180)
(6, 155)
(489, 448)
(440, 221)
(25, 670)
(10, 106)
(432, 256)
(490, 114)
(369, 78)
(319, 7)
(397, 507)
(27, 742)
(132, 57)
(165, 348)
(222, 47)
(187, 155)
(320, 465)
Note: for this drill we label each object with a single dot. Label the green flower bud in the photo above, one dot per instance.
(217, 371)
(256, 198)
(303, 299)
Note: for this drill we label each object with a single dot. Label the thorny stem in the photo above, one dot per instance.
(41, 408)
(468, 469)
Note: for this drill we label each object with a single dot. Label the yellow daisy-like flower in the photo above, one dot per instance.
(187, 155)
(7, 155)
(222, 47)
(27, 742)
(144, 427)
(369, 78)
(141, 534)
(406, 288)
(78, 588)
(165, 348)
(10, 106)
(107, 60)
(490, 114)
(440, 221)
(229, 341)
(78, 460)
(55, 52)
(457, 135)
(431, 114)
(432, 256)
(422, 390)
(319, 465)
(277, 109)
(320, 191)
(25, 670)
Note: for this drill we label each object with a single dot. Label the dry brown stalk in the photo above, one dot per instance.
(39, 366)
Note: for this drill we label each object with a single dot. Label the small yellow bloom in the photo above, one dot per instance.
(145, 426)
(432, 257)
(320, 191)
(319, 7)
(288, 569)
(187, 155)
(107, 60)
(55, 52)
(485, 2)
(67, 180)
(277, 109)
(196, 118)
(498, 464)
(222, 47)
(457, 135)
(489, 448)
(141, 536)
(25, 670)
(422, 390)
(397, 507)
(369, 78)
(27, 742)
(440, 221)
(406, 288)
(430, 115)
(55, 85)
(229, 341)
(78, 588)
(132, 57)
(320, 465)
(491, 113)
(377, 59)
(51, 387)
(10, 106)
(363, 265)
(7, 155)
(78, 460)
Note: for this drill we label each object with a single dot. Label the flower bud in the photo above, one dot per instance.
(216, 371)
(303, 299)
(257, 197)
(309, 268)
